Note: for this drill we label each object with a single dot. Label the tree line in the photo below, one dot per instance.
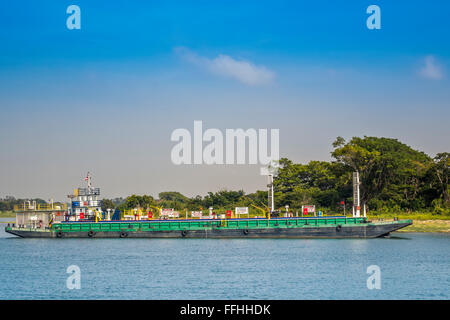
(394, 177)
(8, 203)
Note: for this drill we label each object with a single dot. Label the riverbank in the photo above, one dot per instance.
(7, 214)
(428, 226)
(422, 222)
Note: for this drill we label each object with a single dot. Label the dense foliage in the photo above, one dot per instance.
(394, 177)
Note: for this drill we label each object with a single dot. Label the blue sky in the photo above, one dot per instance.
(106, 98)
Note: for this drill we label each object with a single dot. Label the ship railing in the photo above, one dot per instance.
(27, 206)
(390, 221)
(27, 228)
(87, 192)
(312, 220)
(143, 214)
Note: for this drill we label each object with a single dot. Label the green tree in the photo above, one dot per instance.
(437, 190)
(391, 172)
(173, 196)
(318, 182)
(223, 198)
(136, 201)
(107, 204)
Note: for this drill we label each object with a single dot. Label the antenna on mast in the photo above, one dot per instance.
(88, 180)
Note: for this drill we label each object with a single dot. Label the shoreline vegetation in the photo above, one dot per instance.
(422, 222)
(7, 214)
(396, 181)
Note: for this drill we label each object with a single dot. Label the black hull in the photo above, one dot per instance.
(371, 230)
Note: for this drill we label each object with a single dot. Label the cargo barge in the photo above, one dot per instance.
(329, 227)
(85, 219)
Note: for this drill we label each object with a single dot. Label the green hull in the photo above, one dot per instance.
(330, 227)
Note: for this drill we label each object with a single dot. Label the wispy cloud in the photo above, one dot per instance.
(226, 66)
(431, 68)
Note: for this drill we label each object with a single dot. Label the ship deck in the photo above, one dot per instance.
(294, 227)
(189, 224)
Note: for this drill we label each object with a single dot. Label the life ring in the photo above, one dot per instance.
(184, 233)
(123, 234)
(59, 234)
(339, 227)
(245, 231)
(91, 234)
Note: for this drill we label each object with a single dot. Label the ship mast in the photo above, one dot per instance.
(356, 195)
(270, 199)
(88, 180)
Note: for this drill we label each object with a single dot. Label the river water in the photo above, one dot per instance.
(412, 266)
